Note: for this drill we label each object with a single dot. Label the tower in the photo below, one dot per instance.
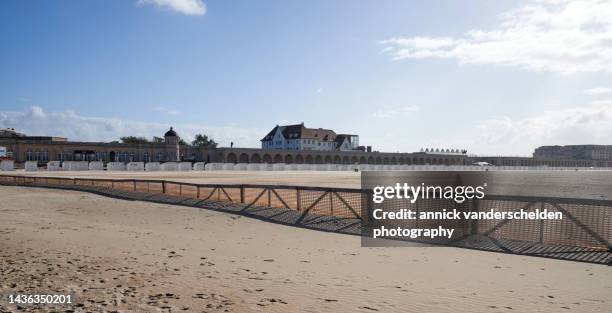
(171, 138)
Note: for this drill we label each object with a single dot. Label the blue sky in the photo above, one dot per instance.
(494, 77)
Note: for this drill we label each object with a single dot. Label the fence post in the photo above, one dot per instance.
(331, 203)
(542, 225)
(297, 198)
(241, 193)
(369, 204)
(474, 222)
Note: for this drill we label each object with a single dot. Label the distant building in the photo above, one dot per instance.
(48, 148)
(574, 152)
(299, 137)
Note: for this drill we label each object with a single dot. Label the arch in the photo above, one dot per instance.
(278, 158)
(401, 160)
(371, 160)
(318, 159)
(244, 158)
(299, 159)
(386, 160)
(231, 158)
(363, 160)
(255, 158)
(428, 161)
(309, 159)
(346, 160)
(288, 158)
(112, 156)
(337, 159)
(434, 161)
(446, 162)
(421, 161)
(378, 160)
(354, 160)
(393, 160)
(267, 158)
(408, 161)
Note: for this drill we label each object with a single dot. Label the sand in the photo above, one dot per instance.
(294, 178)
(130, 256)
(563, 184)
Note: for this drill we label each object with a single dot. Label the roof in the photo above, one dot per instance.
(170, 133)
(299, 131)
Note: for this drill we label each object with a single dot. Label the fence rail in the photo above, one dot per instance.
(584, 233)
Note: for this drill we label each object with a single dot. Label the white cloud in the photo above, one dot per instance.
(187, 7)
(597, 91)
(396, 111)
(564, 36)
(167, 111)
(590, 124)
(36, 121)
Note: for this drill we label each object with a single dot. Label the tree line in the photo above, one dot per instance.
(200, 140)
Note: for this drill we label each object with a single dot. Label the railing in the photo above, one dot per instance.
(584, 233)
(338, 202)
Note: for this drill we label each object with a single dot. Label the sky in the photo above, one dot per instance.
(493, 77)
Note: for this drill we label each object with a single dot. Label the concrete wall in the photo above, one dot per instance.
(7, 165)
(115, 166)
(152, 166)
(54, 166)
(135, 166)
(96, 166)
(75, 166)
(31, 166)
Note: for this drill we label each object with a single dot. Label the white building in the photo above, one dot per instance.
(299, 137)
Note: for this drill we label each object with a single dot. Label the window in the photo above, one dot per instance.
(29, 156)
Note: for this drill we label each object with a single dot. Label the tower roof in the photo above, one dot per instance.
(170, 133)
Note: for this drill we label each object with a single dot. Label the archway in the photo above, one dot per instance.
(255, 158)
(328, 159)
(337, 159)
(278, 158)
(299, 159)
(288, 159)
(244, 158)
(319, 159)
(309, 159)
(363, 160)
(231, 158)
(267, 158)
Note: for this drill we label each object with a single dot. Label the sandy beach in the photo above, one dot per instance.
(130, 256)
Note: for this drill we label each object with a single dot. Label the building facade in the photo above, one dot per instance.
(45, 148)
(299, 137)
(575, 152)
